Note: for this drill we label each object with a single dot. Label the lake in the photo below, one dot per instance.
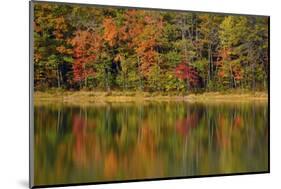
(139, 140)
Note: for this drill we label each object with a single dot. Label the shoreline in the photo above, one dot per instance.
(119, 96)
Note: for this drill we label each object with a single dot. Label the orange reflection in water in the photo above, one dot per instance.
(137, 141)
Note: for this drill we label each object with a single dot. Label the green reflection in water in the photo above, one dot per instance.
(118, 141)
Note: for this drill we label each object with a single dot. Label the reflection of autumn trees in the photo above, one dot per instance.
(184, 125)
(127, 141)
(79, 132)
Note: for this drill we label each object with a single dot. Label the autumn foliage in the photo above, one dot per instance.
(186, 72)
(85, 49)
(78, 47)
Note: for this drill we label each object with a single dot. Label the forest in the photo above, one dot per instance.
(98, 48)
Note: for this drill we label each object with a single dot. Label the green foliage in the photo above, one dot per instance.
(78, 47)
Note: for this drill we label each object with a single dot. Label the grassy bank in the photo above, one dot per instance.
(119, 96)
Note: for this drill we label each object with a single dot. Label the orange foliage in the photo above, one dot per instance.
(86, 46)
(147, 41)
(110, 31)
(37, 56)
(63, 50)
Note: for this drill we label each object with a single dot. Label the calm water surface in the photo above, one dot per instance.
(117, 141)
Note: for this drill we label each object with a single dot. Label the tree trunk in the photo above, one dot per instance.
(86, 81)
(107, 81)
(58, 76)
(233, 81)
(183, 38)
(254, 78)
(209, 65)
(61, 79)
(140, 80)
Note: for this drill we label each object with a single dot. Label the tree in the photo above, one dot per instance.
(186, 72)
(78, 47)
(86, 48)
(52, 52)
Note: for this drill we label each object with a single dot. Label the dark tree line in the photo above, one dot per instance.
(80, 47)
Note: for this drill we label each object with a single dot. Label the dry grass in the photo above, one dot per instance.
(117, 96)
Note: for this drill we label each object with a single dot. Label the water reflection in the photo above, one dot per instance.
(75, 144)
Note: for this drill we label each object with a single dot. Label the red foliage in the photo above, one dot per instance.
(86, 45)
(186, 72)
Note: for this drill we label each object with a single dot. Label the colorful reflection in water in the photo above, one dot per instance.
(118, 141)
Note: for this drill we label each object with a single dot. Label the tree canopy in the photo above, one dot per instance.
(104, 48)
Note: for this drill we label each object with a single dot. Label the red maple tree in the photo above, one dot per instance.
(186, 72)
